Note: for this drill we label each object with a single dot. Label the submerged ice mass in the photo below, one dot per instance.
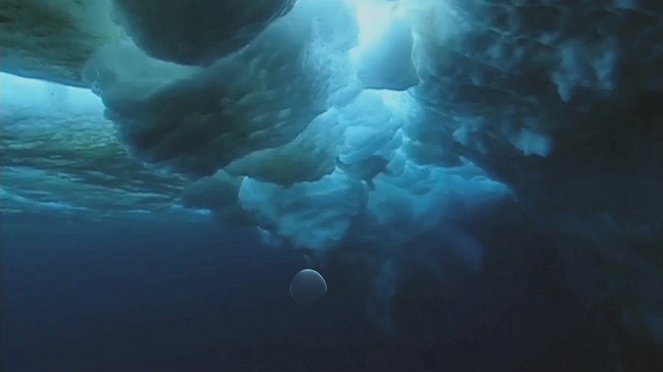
(300, 132)
(334, 123)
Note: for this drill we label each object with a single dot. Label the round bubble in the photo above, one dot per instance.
(307, 286)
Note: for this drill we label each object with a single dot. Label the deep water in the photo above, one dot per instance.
(150, 295)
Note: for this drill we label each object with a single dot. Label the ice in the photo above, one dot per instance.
(386, 63)
(52, 40)
(311, 215)
(197, 120)
(196, 31)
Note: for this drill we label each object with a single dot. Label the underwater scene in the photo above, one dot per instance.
(331, 185)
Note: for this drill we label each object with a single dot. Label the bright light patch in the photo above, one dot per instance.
(398, 102)
(373, 18)
(22, 96)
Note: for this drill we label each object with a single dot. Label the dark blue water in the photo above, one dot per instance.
(162, 297)
(173, 296)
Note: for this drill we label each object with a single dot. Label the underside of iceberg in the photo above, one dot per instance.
(335, 125)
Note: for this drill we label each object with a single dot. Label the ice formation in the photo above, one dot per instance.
(332, 122)
(52, 40)
(302, 131)
(196, 32)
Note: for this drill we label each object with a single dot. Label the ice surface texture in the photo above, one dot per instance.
(358, 95)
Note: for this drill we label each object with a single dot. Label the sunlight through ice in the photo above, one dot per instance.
(373, 18)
